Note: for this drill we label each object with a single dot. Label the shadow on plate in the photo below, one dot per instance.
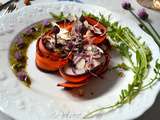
(97, 87)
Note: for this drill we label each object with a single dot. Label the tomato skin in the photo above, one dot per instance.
(96, 39)
(74, 79)
(66, 25)
(48, 64)
(71, 85)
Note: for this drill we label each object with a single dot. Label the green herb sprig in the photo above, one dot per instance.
(156, 77)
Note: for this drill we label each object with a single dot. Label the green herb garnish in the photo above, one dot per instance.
(156, 77)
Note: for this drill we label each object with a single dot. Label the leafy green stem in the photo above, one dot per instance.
(145, 28)
(156, 77)
(153, 29)
(91, 114)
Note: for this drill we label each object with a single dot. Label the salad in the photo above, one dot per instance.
(76, 48)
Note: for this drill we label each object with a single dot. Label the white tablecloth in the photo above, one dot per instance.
(115, 5)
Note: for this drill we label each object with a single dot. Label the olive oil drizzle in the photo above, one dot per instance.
(19, 66)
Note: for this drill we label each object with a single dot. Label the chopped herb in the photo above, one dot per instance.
(120, 74)
(121, 66)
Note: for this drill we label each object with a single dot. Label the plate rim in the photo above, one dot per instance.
(66, 2)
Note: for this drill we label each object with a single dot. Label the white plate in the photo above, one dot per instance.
(45, 101)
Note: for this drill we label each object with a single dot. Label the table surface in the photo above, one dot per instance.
(115, 5)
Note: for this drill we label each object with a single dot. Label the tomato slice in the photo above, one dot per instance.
(47, 60)
(97, 39)
(65, 24)
(50, 61)
(71, 85)
(44, 50)
(82, 77)
(74, 79)
(48, 64)
(86, 76)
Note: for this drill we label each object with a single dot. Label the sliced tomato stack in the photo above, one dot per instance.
(77, 67)
(46, 59)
